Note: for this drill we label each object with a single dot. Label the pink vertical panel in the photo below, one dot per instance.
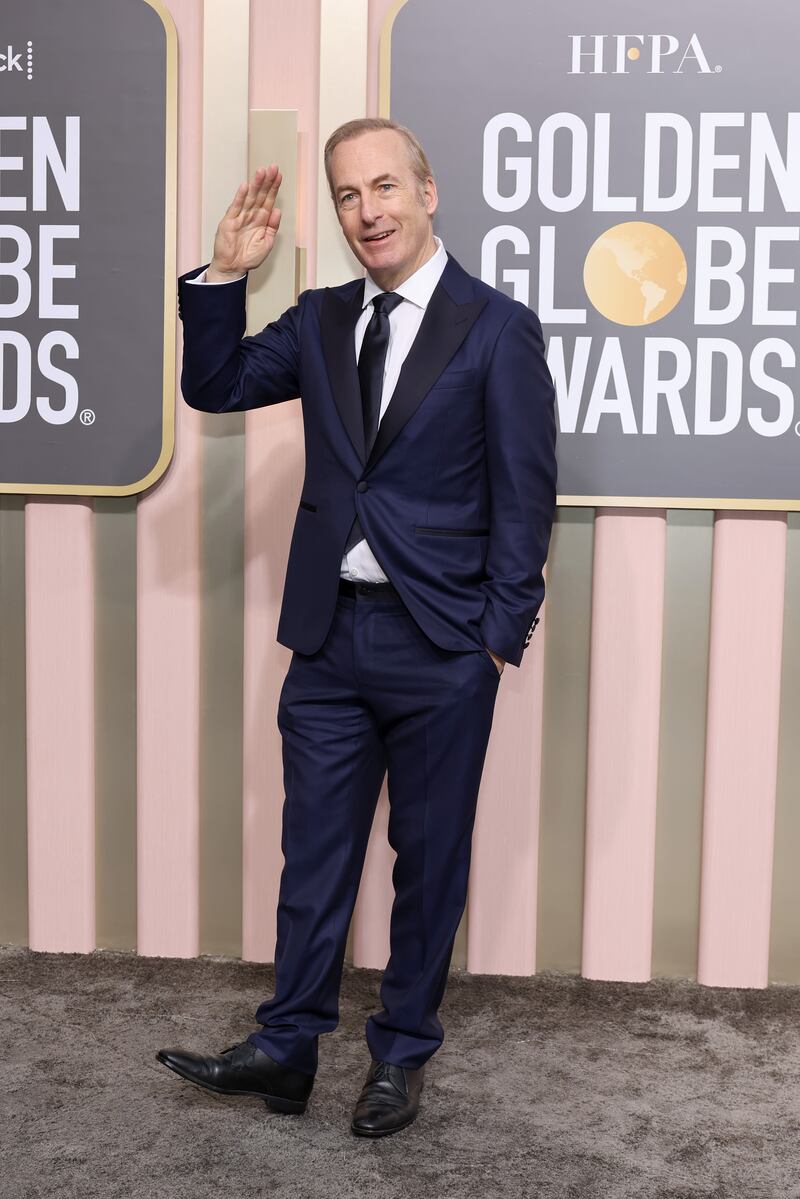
(168, 601)
(501, 916)
(287, 38)
(60, 714)
(622, 767)
(284, 73)
(741, 748)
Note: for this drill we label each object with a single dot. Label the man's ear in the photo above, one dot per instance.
(431, 196)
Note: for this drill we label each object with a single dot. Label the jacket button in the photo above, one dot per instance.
(362, 486)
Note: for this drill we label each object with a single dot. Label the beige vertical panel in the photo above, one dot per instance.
(342, 97)
(784, 949)
(682, 743)
(225, 123)
(564, 741)
(274, 462)
(13, 803)
(300, 258)
(284, 73)
(115, 720)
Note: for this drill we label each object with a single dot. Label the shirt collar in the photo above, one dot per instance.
(419, 287)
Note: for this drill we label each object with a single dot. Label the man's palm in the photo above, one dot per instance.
(246, 234)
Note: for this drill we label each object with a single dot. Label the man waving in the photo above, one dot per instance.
(414, 576)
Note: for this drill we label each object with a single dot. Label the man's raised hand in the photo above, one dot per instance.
(246, 233)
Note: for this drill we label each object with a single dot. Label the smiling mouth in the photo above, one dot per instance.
(378, 237)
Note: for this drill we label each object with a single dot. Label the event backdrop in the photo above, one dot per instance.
(638, 814)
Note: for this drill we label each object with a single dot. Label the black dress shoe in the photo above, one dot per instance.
(243, 1069)
(389, 1099)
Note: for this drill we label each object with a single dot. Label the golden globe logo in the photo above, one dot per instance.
(612, 53)
(635, 273)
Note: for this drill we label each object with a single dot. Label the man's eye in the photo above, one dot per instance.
(387, 185)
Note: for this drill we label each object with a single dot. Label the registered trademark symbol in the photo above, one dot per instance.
(87, 417)
(718, 69)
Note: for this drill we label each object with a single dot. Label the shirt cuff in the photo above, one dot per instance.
(213, 282)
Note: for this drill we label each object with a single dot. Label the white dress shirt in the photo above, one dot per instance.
(404, 323)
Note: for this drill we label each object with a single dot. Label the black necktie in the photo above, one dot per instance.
(371, 362)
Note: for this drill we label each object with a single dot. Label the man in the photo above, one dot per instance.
(414, 575)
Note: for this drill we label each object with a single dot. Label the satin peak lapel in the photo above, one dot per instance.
(338, 321)
(444, 326)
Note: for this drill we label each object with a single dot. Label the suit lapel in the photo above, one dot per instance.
(444, 326)
(338, 321)
(449, 316)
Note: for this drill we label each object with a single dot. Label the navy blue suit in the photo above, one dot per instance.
(456, 501)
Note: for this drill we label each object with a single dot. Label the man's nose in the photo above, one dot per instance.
(370, 210)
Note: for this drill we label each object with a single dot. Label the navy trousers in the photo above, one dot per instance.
(378, 697)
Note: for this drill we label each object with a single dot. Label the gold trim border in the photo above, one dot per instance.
(170, 262)
(385, 58)
(581, 501)
(704, 502)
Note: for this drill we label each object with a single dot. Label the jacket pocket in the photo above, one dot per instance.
(452, 532)
(456, 379)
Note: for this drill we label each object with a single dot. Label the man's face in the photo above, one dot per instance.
(384, 212)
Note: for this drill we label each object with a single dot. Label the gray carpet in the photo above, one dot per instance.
(551, 1087)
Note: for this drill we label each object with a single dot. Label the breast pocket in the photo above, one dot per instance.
(452, 379)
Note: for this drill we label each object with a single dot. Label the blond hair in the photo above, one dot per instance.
(418, 159)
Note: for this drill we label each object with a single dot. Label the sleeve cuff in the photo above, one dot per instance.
(214, 282)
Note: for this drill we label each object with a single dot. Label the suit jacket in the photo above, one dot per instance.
(457, 497)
